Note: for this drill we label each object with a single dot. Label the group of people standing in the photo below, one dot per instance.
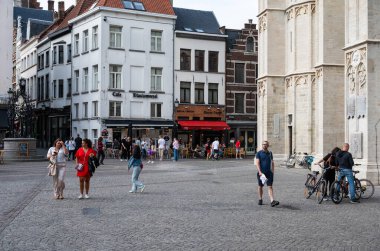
(85, 159)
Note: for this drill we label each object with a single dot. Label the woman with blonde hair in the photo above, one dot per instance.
(57, 156)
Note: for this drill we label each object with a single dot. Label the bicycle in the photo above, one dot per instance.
(302, 159)
(319, 187)
(367, 188)
(337, 195)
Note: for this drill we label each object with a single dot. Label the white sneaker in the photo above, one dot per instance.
(86, 196)
(121, 160)
(241, 158)
(80, 196)
(148, 161)
(142, 189)
(152, 162)
(132, 191)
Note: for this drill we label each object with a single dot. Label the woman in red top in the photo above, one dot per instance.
(82, 156)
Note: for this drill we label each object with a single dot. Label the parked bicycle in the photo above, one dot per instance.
(318, 187)
(302, 159)
(367, 188)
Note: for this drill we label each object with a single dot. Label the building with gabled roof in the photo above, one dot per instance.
(199, 77)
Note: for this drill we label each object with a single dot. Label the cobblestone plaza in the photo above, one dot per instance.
(189, 205)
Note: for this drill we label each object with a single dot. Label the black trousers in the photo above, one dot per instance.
(101, 156)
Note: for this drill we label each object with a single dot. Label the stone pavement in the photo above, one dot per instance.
(189, 205)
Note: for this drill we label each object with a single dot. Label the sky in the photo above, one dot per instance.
(230, 13)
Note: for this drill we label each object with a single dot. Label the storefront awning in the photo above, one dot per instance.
(203, 125)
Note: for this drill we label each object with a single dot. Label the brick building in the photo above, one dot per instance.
(241, 87)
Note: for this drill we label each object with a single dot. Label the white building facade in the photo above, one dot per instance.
(6, 40)
(122, 73)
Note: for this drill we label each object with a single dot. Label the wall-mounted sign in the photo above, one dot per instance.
(140, 95)
(116, 94)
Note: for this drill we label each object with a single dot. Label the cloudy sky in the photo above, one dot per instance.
(231, 13)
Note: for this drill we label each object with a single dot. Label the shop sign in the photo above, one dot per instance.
(139, 95)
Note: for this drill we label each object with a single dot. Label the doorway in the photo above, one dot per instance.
(290, 140)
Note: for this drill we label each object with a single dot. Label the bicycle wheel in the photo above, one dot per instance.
(309, 186)
(335, 193)
(321, 191)
(367, 188)
(358, 189)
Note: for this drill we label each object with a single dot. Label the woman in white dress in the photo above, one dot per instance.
(57, 154)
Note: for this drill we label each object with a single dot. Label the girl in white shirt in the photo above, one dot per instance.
(58, 154)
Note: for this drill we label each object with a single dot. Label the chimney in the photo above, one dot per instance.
(222, 29)
(61, 9)
(50, 5)
(250, 21)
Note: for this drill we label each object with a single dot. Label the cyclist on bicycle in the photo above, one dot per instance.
(345, 162)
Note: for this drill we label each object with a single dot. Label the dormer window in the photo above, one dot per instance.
(134, 5)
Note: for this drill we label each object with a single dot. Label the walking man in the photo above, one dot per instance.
(265, 166)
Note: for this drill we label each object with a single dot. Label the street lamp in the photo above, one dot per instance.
(175, 129)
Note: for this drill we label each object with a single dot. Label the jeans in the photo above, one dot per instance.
(136, 184)
(101, 156)
(176, 154)
(351, 182)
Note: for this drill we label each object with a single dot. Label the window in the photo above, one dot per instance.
(95, 37)
(95, 77)
(47, 93)
(155, 40)
(250, 44)
(54, 89)
(85, 110)
(95, 134)
(185, 91)
(60, 88)
(85, 80)
(133, 5)
(213, 59)
(55, 55)
(76, 74)
(115, 36)
(115, 109)
(239, 73)
(38, 88)
(85, 41)
(199, 60)
(42, 61)
(239, 102)
(60, 54)
(156, 79)
(155, 110)
(68, 53)
(47, 59)
(76, 44)
(185, 60)
(199, 93)
(69, 87)
(76, 111)
(94, 108)
(85, 133)
(213, 93)
(115, 76)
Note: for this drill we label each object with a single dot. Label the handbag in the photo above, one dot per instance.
(79, 167)
(52, 166)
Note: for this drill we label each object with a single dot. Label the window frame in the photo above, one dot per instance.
(85, 40)
(215, 66)
(95, 77)
(199, 60)
(115, 34)
(185, 65)
(197, 94)
(61, 83)
(236, 74)
(115, 75)
(95, 37)
(114, 106)
(154, 78)
(185, 92)
(212, 92)
(154, 110)
(236, 97)
(156, 40)
(85, 79)
(76, 44)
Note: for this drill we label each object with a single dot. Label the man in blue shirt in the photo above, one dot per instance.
(265, 166)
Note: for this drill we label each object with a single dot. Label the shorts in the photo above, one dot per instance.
(269, 176)
(237, 149)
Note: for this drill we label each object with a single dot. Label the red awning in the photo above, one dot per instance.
(203, 125)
